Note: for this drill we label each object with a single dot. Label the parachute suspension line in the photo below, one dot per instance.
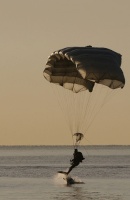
(74, 111)
(71, 100)
(96, 105)
(56, 91)
(66, 102)
(101, 101)
(88, 112)
(89, 109)
(67, 105)
(75, 108)
(107, 91)
(60, 100)
(81, 107)
(76, 145)
(85, 110)
(77, 105)
(110, 93)
(68, 111)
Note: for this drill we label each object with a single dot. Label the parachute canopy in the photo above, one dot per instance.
(79, 68)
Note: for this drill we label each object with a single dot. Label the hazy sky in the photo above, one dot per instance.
(30, 30)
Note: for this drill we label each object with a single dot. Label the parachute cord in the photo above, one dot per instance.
(73, 142)
(74, 113)
(110, 95)
(94, 106)
(103, 102)
(56, 90)
(77, 113)
(76, 145)
(87, 145)
(79, 97)
(82, 101)
(85, 111)
(66, 105)
(67, 109)
(88, 141)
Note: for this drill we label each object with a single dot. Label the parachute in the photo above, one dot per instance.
(84, 73)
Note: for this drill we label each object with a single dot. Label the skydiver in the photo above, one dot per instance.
(78, 157)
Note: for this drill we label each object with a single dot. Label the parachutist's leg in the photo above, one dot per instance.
(70, 169)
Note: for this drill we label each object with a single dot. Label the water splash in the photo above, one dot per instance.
(60, 179)
(67, 180)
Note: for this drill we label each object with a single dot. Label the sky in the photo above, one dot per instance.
(30, 30)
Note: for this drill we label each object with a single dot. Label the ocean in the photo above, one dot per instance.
(30, 173)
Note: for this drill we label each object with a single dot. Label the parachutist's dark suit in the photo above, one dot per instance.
(78, 157)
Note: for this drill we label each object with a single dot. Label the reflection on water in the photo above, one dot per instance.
(79, 193)
(93, 190)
